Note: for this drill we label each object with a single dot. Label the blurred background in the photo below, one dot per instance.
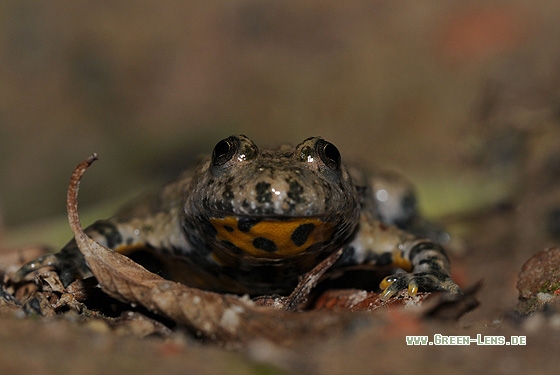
(459, 96)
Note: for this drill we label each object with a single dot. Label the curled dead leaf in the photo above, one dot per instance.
(225, 319)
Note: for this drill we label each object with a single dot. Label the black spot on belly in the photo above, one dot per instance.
(228, 228)
(264, 244)
(245, 224)
(300, 235)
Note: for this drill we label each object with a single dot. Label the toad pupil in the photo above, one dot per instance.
(251, 221)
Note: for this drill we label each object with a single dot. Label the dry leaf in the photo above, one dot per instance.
(226, 319)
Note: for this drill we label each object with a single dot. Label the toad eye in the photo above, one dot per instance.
(224, 151)
(329, 154)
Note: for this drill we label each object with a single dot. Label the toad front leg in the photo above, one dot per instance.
(429, 270)
(160, 233)
(69, 262)
(422, 264)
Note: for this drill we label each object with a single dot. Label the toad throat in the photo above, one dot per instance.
(271, 238)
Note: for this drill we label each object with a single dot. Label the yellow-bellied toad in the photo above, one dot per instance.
(252, 221)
